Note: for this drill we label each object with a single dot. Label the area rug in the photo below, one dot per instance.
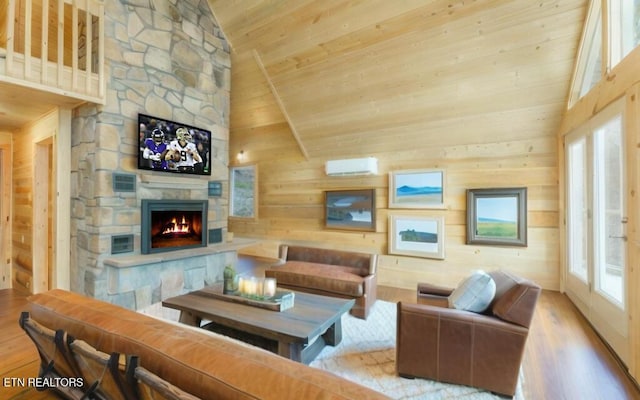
(367, 356)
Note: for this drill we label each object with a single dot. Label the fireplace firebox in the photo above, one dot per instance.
(169, 225)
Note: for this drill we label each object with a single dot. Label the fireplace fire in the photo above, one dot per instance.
(182, 227)
(173, 225)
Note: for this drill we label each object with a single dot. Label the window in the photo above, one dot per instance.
(624, 18)
(589, 66)
(623, 22)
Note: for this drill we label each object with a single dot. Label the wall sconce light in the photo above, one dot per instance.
(240, 155)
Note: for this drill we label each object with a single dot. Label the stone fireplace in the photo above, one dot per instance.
(168, 59)
(169, 225)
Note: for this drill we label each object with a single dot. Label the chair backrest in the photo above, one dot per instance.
(104, 373)
(53, 357)
(515, 298)
(362, 264)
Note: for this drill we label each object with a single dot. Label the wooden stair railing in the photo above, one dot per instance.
(65, 57)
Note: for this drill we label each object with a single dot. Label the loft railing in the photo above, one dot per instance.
(55, 46)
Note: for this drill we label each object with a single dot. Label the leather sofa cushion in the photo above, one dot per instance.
(324, 277)
(517, 305)
(504, 281)
(515, 298)
(202, 363)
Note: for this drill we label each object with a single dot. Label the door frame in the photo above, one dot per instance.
(5, 215)
(44, 265)
(55, 130)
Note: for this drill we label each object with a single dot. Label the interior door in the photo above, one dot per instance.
(596, 225)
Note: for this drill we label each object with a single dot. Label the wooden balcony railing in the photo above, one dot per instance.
(55, 46)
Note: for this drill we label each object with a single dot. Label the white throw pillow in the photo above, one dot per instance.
(474, 293)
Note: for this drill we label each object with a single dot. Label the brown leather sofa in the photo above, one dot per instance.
(328, 272)
(462, 347)
(202, 363)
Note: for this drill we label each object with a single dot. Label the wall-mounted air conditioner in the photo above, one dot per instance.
(353, 166)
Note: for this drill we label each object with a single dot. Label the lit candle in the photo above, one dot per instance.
(242, 286)
(253, 286)
(269, 287)
(259, 287)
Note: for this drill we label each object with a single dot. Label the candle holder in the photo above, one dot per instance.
(257, 288)
(256, 292)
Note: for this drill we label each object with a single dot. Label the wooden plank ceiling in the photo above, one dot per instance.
(369, 76)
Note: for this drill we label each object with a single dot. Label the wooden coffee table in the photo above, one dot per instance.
(299, 333)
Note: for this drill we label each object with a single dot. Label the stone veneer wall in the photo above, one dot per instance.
(166, 58)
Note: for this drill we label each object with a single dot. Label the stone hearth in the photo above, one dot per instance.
(139, 281)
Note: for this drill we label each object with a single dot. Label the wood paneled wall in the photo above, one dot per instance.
(291, 195)
(4, 5)
(25, 248)
(5, 209)
(475, 88)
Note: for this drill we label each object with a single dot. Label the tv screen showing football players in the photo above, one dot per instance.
(169, 146)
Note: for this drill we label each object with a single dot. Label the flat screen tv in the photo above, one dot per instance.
(169, 146)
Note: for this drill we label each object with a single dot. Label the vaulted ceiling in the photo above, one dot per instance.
(345, 77)
(360, 77)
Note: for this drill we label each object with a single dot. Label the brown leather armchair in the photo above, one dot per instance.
(462, 347)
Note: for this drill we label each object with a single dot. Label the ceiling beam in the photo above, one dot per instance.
(283, 109)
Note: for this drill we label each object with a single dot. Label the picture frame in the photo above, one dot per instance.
(350, 209)
(243, 183)
(417, 188)
(497, 216)
(417, 236)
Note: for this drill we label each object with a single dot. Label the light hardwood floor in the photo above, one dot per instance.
(564, 358)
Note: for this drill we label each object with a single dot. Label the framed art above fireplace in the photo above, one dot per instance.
(169, 225)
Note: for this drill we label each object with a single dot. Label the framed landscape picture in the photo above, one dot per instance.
(497, 216)
(243, 181)
(416, 189)
(350, 209)
(416, 236)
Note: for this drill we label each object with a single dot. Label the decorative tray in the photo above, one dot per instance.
(283, 300)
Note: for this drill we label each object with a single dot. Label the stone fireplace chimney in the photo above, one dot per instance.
(166, 60)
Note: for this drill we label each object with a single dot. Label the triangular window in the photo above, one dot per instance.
(589, 66)
(623, 35)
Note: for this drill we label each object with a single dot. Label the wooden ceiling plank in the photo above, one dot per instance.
(427, 17)
(424, 54)
(416, 21)
(432, 117)
(245, 21)
(408, 93)
(421, 39)
(371, 74)
(336, 19)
